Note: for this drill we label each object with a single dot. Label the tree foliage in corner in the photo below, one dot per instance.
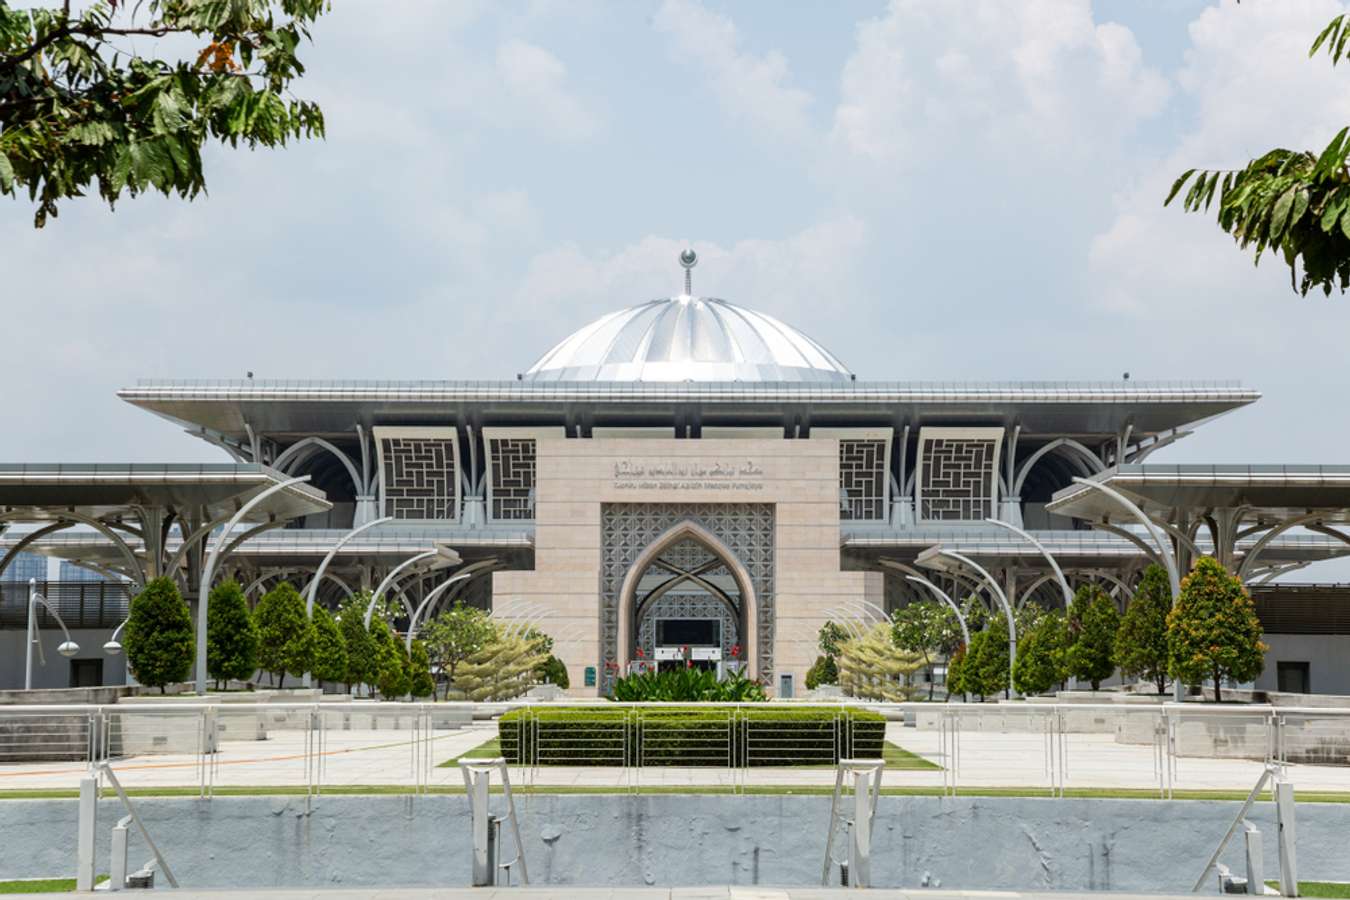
(82, 107)
(1213, 631)
(1295, 203)
(231, 636)
(1141, 642)
(285, 634)
(159, 635)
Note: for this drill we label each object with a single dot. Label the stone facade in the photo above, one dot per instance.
(579, 478)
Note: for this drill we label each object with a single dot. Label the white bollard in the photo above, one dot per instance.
(117, 866)
(484, 865)
(1284, 818)
(85, 838)
(860, 849)
(1256, 880)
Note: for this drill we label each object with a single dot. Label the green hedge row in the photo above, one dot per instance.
(690, 736)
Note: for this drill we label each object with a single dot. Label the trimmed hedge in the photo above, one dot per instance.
(689, 736)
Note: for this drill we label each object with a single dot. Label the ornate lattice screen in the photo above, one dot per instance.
(958, 474)
(513, 470)
(862, 480)
(418, 474)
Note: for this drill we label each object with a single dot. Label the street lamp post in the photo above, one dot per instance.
(67, 648)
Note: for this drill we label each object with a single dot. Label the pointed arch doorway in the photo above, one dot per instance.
(739, 536)
(690, 557)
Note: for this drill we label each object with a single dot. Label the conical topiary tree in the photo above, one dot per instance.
(1093, 622)
(285, 634)
(1141, 641)
(1040, 655)
(421, 684)
(991, 661)
(391, 674)
(970, 680)
(362, 664)
(231, 635)
(1213, 632)
(159, 639)
(330, 650)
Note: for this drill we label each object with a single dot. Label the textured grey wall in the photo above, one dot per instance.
(966, 843)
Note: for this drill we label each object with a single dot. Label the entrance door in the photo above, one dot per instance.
(86, 673)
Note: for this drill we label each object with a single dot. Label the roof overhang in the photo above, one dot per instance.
(44, 491)
(1266, 492)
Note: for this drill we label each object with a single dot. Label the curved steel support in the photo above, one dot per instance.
(176, 561)
(29, 538)
(430, 598)
(209, 571)
(1249, 558)
(389, 579)
(328, 558)
(1054, 566)
(1034, 458)
(293, 451)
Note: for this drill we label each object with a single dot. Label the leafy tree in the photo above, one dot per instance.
(1093, 622)
(1141, 642)
(391, 674)
(1040, 654)
(928, 628)
(830, 637)
(421, 684)
(552, 671)
(1294, 203)
(285, 633)
(991, 662)
(82, 107)
(455, 635)
(231, 636)
(361, 650)
(330, 650)
(1213, 632)
(968, 680)
(823, 671)
(159, 638)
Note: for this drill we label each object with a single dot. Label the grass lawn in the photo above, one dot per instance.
(43, 885)
(1319, 888)
(899, 758)
(489, 749)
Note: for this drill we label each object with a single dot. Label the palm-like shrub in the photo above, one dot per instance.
(685, 685)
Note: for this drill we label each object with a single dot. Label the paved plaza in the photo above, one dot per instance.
(361, 758)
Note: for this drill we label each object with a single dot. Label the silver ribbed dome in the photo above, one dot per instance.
(687, 339)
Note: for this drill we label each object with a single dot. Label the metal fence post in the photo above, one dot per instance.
(86, 835)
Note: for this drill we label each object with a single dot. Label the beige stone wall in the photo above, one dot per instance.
(799, 477)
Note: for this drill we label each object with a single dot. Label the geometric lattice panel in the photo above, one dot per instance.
(958, 477)
(627, 529)
(862, 480)
(419, 477)
(513, 471)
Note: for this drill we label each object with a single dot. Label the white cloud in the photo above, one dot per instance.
(927, 77)
(537, 81)
(755, 89)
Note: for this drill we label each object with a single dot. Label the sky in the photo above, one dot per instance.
(938, 190)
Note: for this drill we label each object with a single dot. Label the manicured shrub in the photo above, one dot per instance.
(159, 638)
(690, 736)
(1213, 631)
(330, 650)
(956, 672)
(285, 634)
(1093, 622)
(991, 664)
(823, 671)
(231, 636)
(553, 672)
(1141, 641)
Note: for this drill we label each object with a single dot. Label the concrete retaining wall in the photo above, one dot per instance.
(964, 843)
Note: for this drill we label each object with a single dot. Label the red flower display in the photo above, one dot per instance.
(735, 651)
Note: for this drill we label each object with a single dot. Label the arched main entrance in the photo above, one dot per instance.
(689, 573)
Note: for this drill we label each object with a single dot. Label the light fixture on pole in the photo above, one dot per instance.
(112, 646)
(66, 648)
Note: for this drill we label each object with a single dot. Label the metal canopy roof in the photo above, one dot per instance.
(1073, 549)
(332, 407)
(102, 489)
(1266, 491)
(307, 546)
